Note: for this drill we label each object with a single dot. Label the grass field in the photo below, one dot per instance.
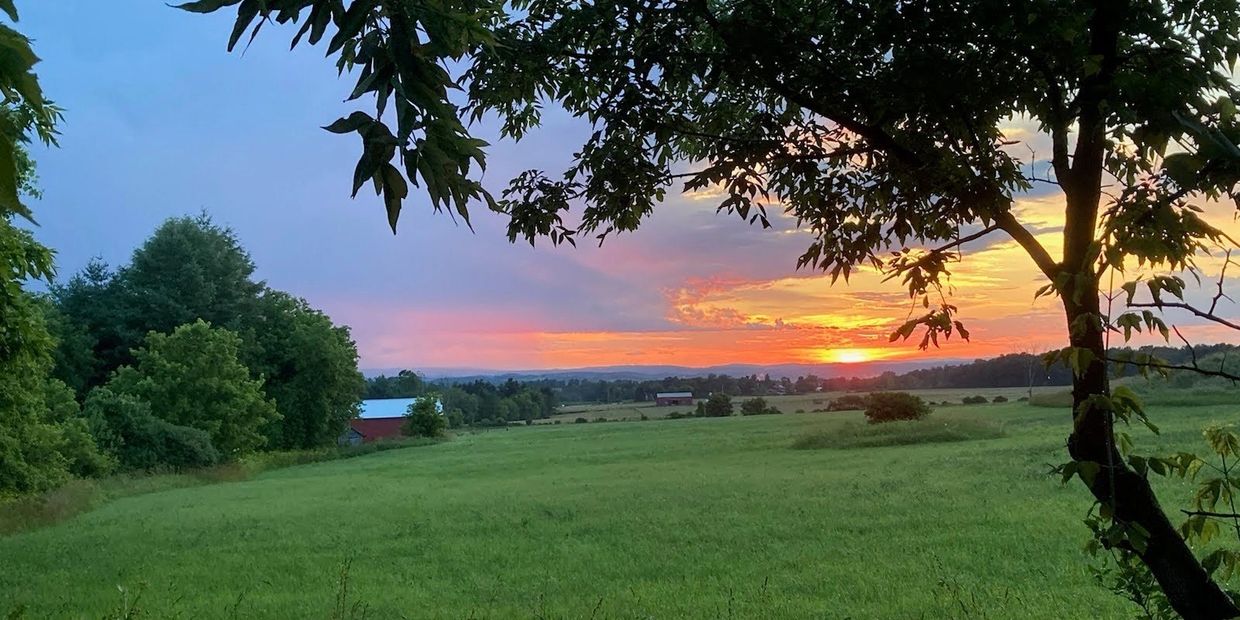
(696, 518)
(787, 404)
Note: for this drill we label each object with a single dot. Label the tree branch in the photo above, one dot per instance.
(1160, 366)
(1009, 224)
(1163, 305)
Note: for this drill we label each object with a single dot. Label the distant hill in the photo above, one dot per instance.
(642, 373)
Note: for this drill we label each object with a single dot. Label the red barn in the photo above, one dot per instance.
(667, 399)
(366, 430)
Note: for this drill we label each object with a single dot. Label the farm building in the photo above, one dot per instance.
(366, 430)
(667, 399)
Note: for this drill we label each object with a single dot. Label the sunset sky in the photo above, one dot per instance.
(161, 121)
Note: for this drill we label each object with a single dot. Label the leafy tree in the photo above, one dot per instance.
(192, 377)
(884, 130)
(190, 269)
(423, 419)
(89, 312)
(125, 428)
(718, 405)
(309, 368)
(41, 441)
(892, 406)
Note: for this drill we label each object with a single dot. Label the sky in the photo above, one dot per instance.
(161, 121)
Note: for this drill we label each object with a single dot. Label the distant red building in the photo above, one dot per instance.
(366, 430)
(668, 399)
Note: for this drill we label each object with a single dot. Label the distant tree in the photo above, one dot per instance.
(718, 405)
(424, 420)
(893, 406)
(192, 377)
(309, 369)
(456, 419)
(848, 402)
(457, 399)
(757, 406)
(699, 410)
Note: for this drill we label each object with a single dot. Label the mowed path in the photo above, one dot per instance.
(699, 518)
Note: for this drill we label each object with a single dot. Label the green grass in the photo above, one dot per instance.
(933, 429)
(697, 518)
(78, 496)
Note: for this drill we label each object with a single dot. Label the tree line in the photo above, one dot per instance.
(1010, 370)
(180, 358)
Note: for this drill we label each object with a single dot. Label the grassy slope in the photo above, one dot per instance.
(690, 518)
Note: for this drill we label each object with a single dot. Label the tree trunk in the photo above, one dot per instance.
(1188, 587)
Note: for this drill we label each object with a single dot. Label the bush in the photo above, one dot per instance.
(892, 406)
(999, 399)
(848, 402)
(423, 419)
(600, 419)
(124, 427)
(719, 405)
(900, 433)
(757, 406)
(975, 400)
(699, 411)
(1022, 399)
(580, 421)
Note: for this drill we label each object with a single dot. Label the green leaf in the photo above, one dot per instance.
(198, 6)
(351, 123)
(245, 16)
(8, 7)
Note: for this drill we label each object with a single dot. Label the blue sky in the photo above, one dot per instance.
(161, 121)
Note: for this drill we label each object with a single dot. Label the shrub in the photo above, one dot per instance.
(800, 411)
(1022, 399)
(847, 402)
(700, 410)
(719, 405)
(999, 399)
(423, 419)
(757, 406)
(124, 427)
(580, 421)
(892, 406)
(975, 400)
(900, 433)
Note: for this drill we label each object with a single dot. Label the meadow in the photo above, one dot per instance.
(690, 518)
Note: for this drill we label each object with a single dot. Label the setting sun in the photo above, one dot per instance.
(847, 356)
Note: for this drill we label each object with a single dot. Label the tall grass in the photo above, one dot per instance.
(82, 495)
(926, 430)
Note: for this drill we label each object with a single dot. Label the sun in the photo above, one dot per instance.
(848, 356)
